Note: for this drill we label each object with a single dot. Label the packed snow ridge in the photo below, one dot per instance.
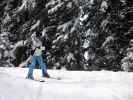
(74, 85)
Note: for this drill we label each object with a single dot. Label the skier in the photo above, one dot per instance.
(37, 59)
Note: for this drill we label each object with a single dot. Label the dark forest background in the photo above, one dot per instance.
(77, 34)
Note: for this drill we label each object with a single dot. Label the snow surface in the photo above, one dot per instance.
(75, 85)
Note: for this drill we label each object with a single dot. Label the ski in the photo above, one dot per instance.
(38, 80)
(56, 78)
(43, 80)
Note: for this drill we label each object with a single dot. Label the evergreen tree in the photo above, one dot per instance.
(77, 34)
(127, 61)
(119, 29)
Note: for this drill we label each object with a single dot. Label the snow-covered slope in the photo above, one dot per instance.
(75, 85)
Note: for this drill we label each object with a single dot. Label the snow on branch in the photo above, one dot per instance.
(65, 27)
(35, 25)
(104, 6)
(54, 5)
(27, 4)
(16, 45)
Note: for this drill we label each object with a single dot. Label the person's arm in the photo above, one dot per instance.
(32, 52)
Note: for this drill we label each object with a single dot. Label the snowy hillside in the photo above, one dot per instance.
(75, 85)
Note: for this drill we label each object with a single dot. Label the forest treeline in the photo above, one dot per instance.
(77, 34)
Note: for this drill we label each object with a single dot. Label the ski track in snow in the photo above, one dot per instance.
(78, 85)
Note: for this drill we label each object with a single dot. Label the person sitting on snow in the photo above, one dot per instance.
(37, 58)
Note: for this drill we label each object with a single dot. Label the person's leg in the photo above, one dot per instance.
(31, 67)
(43, 66)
